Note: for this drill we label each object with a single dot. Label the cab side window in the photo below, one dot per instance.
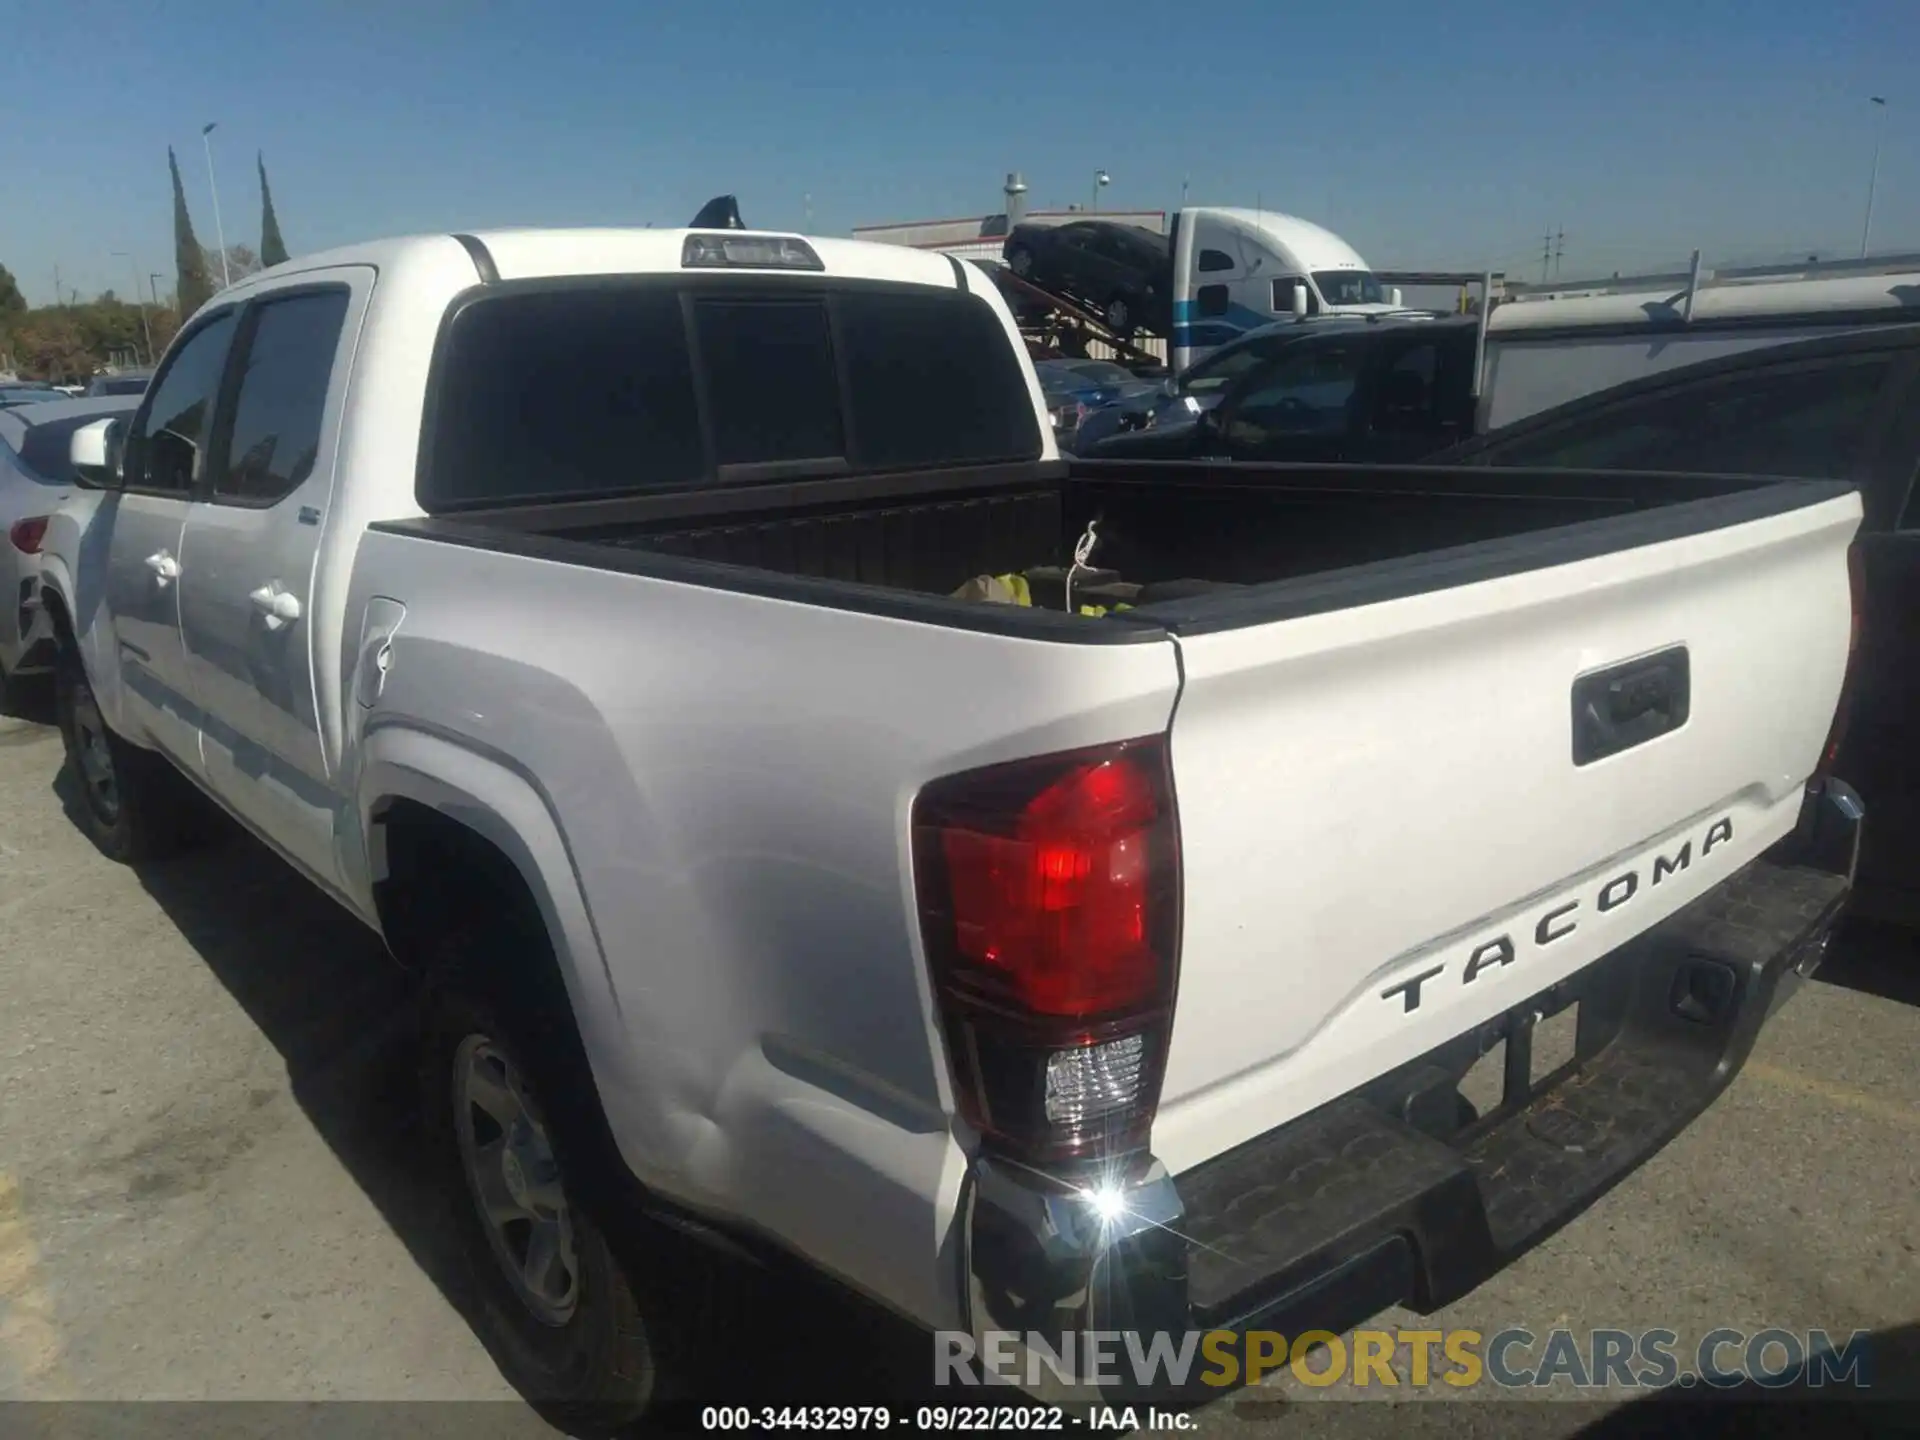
(1305, 392)
(167, 451)
(1283, 295)
(1910, 517)
(1409, 387)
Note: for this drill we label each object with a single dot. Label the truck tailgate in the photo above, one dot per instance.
(1402, 814)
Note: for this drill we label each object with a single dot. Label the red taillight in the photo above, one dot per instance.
(1049, 894)
(1837, 732)
(28, 534)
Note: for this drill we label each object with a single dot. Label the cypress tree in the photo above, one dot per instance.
(192, 287)
(273, 250)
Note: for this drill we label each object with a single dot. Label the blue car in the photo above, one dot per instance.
(1075, 389)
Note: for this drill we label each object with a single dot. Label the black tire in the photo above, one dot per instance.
(598, 1367)
(130, 802)
(1020, 262)
(1119, 316)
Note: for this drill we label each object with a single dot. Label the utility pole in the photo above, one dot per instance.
(1873, 176)
(153, 287)
(1546, 255)
(219, 232)
(1559, 245)
(59, 295)
(145, 327)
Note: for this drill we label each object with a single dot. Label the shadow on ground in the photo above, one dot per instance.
(344, 1019)
(1875, 959)
(28, 697)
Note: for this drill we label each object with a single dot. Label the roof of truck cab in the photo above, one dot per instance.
(538, 254)
(1314, 247)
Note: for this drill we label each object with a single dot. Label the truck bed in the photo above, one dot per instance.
(1262, 538)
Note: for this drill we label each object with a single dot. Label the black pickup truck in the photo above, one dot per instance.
(1381, 389)
(1839, 408)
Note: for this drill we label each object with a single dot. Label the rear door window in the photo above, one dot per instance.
(285, 373)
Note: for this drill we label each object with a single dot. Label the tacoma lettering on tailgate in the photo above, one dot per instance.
(1563, 919)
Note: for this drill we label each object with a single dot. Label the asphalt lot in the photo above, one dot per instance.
(208, 1188)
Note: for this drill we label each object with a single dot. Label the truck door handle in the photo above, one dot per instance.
(165, 568)
(280, 607)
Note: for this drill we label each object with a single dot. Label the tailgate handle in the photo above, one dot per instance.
(1629, 704)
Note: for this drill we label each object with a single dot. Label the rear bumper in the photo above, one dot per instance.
(1385, 1197)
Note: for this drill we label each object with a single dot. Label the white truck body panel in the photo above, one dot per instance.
(1328, 859)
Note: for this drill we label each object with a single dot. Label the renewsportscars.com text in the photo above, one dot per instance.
(1513, 1358)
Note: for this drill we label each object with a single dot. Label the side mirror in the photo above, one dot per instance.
(1300, 301)
(1393, 298)
(98, 452)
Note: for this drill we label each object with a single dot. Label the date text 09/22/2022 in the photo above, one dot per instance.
(960, 1419)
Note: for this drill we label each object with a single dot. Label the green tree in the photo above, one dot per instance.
(193, 286)
(241, 262)
(12, 302)
(273, 250)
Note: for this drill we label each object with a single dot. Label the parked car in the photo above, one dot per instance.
(1074, 389)
(1121, 272)
(1024, 969)
(1339, 389)
(35, 475)
(27, 393)
(1839, 408)
(1095, 383)
(126, 382)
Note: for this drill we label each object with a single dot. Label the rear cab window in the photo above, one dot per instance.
(558, 391)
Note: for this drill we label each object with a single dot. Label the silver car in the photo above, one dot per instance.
(35, 476)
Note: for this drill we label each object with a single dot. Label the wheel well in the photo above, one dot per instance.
(455, 908)
(451, 900)
(56, 609)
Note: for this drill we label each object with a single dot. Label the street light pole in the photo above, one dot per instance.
(1100, 181)
(1873, 176)
(219, 232)
(146, 328)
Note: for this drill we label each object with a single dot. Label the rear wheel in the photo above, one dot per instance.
(1119, 316)
(130, 802)
(553, 1302)
(1020, 261)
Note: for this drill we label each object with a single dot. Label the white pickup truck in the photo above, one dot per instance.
(578, 610)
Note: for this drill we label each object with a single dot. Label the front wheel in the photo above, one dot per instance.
(553, 1303)
(1020, 261)
(131, 805)
(1119, 316)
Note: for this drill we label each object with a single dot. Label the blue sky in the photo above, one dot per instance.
(1425, 133)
